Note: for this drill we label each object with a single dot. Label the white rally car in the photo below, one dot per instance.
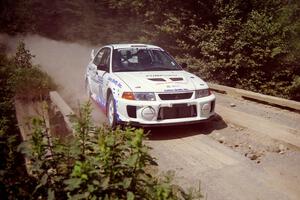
(143, 85)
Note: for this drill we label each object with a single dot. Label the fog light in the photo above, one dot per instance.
(148, 113)
(206, 108)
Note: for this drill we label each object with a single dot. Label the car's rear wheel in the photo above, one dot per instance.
(111, 112)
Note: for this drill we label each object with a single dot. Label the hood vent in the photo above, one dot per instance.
(176, 79)
(156, 79)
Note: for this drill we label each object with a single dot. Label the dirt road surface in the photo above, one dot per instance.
(250, 151)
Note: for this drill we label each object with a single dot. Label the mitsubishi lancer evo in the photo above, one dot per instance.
(143, 85)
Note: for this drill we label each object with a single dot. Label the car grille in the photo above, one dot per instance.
(177, 111)
(175, 96)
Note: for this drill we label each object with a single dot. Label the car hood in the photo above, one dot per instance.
(161, 81)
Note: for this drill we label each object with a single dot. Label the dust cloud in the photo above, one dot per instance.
(64, 62)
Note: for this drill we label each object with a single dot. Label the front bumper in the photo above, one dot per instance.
(138, 124)
(132, 112)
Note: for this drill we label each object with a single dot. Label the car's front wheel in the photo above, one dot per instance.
(111, 112)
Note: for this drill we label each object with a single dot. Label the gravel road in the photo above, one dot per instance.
(250, 151)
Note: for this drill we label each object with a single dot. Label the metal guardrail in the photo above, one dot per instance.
(294, 105)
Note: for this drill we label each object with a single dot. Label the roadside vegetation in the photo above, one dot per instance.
(92, 163)
(252, 45)
(19, 79)
(96, 163)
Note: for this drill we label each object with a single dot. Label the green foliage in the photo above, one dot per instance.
(31, 83)
(48, 159)
(16, 16)
(23, 57)
(14, 182)
(247, 44)
(249, 52)
(18, 78)
(97, 163)
(295, 88)
(251, 44)
(70, 20)
(27, 80)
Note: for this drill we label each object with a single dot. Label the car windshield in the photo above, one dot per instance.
(136, 59)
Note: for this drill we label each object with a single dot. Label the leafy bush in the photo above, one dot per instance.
(14, 181)
(251, 44)
(295, 88)
(28, 81)
(31, 83)
(69, 20)
(246, 53)
(96, 163)
(246, 44)
(18, 78)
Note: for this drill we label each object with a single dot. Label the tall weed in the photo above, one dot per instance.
(96, 163)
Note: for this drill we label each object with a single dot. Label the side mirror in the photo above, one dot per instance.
(184, 66)
(93, 54)
(102, 67)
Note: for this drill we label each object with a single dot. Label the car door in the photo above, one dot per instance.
(99, 73)
(93, 73)
(103, 74)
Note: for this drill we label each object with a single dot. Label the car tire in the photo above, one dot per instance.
(87, 88)
(111, 112)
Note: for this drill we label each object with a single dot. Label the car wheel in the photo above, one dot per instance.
(111, 112)
(87, 88)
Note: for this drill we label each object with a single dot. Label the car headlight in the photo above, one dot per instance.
(144, 96)
(139, 96)
(202, 93)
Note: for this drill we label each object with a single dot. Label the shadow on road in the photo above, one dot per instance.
(175, 132)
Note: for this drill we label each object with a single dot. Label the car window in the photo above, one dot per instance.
(106, 57)
(98, 57)
(161, 58)
(136, 59)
